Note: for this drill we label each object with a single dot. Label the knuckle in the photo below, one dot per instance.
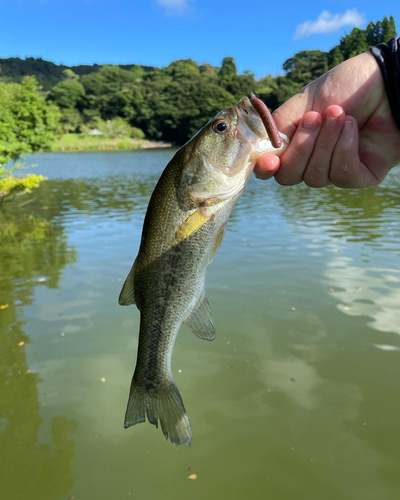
(304, 146)
(262, 175)
(342, 177)
(286, 181)
(315, 182)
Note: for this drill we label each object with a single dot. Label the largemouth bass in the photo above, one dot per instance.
(183, 229)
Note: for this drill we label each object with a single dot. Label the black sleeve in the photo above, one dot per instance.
(388, 58)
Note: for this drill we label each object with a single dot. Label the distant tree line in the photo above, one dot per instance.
(173, 102)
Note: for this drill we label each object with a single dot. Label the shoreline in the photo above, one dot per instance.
(80, 143)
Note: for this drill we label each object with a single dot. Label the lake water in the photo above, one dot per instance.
(297, 398)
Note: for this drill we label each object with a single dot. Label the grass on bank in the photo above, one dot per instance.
(82, 142)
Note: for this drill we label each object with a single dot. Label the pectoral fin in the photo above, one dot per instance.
(190, 226)
(217, 242)
(127, 295)
(200, 321)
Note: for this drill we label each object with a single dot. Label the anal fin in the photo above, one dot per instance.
(200, 321)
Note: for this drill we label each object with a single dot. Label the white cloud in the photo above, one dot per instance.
(328, 23)
(174, 7)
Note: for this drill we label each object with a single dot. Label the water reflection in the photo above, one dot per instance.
(108, 195)
(362, 215)
(33, 251)
(369, 292)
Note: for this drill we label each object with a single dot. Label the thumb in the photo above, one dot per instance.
(266, 166)
(288, 116)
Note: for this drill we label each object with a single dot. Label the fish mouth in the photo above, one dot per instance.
(250, 125)
(256, 111)
(245, 108)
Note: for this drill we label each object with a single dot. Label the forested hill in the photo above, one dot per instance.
(47, 73)
(173, 102)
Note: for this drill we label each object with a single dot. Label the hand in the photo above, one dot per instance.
(341, 129)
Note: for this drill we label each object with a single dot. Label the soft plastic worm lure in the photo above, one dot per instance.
(267, 120)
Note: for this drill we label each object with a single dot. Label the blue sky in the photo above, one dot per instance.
(259, 34)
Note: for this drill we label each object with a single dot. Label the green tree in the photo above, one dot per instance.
(381, 31)
(27, 125)
(71, 120)
(306, 65)
(68, 74)
(180, 99)
(266, 90)
(67, 94)
(388, 29)
(335, 57)
(117, 127)
(372, 33)
(231, 81)
(354, 43)
(228, 67)
(113, 92)
(240, 85)
(393, 28)
(285, 89)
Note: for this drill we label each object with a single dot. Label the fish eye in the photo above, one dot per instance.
(220, 126)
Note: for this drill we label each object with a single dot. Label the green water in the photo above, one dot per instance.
(297, 398)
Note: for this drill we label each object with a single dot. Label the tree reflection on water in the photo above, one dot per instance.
(31, 246)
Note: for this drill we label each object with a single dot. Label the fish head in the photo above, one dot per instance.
(222, 155)
(220, 143)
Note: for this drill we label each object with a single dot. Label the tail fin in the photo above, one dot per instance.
(166, 406)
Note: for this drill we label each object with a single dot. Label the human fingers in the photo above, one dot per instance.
(347, 171)
(294, 160)
(288, 116)
(317, 170)
(266, 166)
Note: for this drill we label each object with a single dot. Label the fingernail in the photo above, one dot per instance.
(310, 125)
(348, 125)
(331, 121)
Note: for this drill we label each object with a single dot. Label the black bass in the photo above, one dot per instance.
(183, 229)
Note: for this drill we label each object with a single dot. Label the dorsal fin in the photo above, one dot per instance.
(200, 321)
(127, 295)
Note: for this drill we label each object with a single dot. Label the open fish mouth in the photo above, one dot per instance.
(252, 105)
